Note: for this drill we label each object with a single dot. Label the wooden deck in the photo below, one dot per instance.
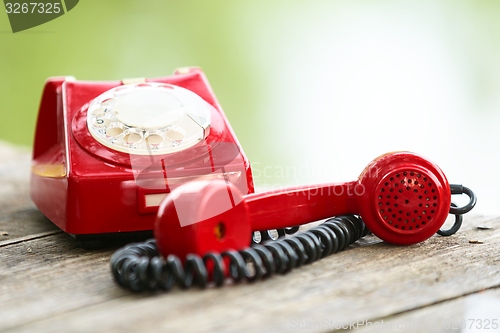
(49, 284)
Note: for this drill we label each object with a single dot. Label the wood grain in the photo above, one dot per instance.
(477, 312)
(48, 283)
(18, 215)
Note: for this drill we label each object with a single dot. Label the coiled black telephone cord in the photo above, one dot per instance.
(138, 266)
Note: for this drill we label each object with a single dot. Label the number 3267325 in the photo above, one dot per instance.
(33, 8)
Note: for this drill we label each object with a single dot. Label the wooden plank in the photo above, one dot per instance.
(23, 223)
(478, 312)
(18, 215)
(14, 175)
(48, 283)
(60, 286)
(51, 275)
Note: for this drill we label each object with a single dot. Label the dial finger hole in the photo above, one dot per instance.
(122, 90)
(107, 102)
(99, 112)
(165, 86)
(114, 131)
(132, 137)
(174, 135)
(154, 139)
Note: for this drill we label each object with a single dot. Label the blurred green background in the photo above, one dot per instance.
(313, 89)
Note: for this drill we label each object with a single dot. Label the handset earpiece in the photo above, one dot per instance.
(407, 198)
(402, 198)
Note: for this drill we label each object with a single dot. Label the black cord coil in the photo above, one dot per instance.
(459, 211)
(139, 267)
(272, 234)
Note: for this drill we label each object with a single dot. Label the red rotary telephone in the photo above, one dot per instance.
(136, 155)
(106, 153)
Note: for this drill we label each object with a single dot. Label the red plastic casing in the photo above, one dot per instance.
(86, 188)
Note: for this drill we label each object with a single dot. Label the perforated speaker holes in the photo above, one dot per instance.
(407, 200)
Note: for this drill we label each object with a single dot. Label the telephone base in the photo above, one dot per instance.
(90, 174)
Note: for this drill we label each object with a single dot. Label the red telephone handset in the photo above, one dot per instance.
(402, 198)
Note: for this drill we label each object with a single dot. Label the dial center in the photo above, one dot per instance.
(149, 108)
